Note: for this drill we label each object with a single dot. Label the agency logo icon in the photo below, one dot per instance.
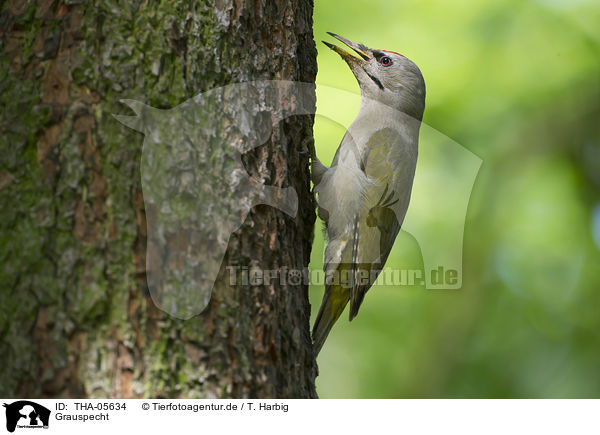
(25, 414)
(196, 189)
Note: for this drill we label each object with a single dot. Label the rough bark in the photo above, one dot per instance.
(76, 319)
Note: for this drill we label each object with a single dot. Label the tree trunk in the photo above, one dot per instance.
(76, 317)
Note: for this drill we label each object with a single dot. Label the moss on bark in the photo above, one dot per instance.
(75, 316)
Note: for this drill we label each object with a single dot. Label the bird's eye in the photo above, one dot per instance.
(385, 61)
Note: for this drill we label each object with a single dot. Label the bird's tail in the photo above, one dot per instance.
(332, 306)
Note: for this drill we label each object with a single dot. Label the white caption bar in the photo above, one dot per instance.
(162, 416)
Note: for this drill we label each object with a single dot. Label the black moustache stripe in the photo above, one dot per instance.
(376, 80)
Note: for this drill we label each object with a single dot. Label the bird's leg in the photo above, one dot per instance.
(317, 169)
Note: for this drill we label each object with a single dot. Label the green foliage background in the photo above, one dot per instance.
(517, 83)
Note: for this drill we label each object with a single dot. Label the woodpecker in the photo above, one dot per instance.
(364, 195)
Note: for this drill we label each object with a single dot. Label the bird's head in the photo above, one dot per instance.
(385, 76)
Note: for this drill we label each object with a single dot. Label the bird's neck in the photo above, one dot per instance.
(405, 101)
(376, 115)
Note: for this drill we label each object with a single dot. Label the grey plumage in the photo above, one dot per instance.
(364, 195)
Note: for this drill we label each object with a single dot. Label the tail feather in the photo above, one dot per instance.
(332, 306)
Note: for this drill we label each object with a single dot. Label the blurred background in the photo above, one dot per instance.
(517, 83)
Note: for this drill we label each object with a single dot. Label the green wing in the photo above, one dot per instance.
(378, 218)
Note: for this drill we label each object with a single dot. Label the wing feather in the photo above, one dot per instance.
(378, 219)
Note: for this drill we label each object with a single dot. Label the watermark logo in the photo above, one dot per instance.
(197, 191)
(25, 414)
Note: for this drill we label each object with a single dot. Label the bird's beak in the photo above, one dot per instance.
(360, 49)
